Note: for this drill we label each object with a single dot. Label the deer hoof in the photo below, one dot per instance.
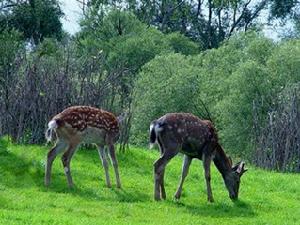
(177, 196)
(211, 200)
(157, 198)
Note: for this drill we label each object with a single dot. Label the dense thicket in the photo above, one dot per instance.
(97, 67)
(125, 60)
(238, 86)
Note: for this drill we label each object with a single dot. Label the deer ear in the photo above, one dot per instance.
(241, 168)
(122, 117)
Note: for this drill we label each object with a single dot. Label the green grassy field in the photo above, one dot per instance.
(265, 197)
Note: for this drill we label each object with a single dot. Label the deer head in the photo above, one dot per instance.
(232, 179)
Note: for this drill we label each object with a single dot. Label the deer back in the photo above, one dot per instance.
(187, 130)
(87, 124)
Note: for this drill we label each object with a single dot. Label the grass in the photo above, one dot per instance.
(265, 197)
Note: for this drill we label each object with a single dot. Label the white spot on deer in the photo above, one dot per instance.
(170, 127)
(179, 130)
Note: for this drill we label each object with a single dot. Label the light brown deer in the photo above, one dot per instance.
(79, 124)
(195, 138)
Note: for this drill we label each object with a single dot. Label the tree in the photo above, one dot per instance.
(284, 8)
(124, 45)
(208, 22)
(36, 19)
(168, 83)
(10, 48)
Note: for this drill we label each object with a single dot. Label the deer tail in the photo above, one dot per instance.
(155, 128)
(51, 131)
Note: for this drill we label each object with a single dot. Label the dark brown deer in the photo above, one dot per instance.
(79, 124)
(195, 138)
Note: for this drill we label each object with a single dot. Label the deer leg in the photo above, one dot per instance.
(114, 161)
(102, 155)
(206, 164)
(66, 160)
(159, 167)
(59, 147)
(162, 185)
(185, 169)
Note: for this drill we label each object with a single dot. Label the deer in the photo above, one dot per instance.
(82, 124)
(195, 138)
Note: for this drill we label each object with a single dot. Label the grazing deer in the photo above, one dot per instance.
(82, 124)
(195, 138)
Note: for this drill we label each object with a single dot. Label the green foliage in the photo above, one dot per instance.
(35, 19)
(10, 46)
(284, 63)
(125, 44)
(182, 44)
(10, 43)
(245, 80)
(49, 47)
(128, 42)
(133, 51)
(248, 69)
(208, 22)
(265, 197)
(168, 83)
(282, 8)
(248, 84)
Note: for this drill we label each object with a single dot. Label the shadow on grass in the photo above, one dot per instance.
(142, 165)
(17, 171)
(86, 193)
(130, 197)
(238, 208)
(94, 194)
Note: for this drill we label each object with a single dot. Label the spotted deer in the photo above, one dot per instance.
(195, 138)
(79, 124)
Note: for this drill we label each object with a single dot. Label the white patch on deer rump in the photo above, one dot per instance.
(151, 126)
(52, 124)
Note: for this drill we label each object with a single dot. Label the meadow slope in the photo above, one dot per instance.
(265, 197)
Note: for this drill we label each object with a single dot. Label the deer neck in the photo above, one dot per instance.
(221, 161)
